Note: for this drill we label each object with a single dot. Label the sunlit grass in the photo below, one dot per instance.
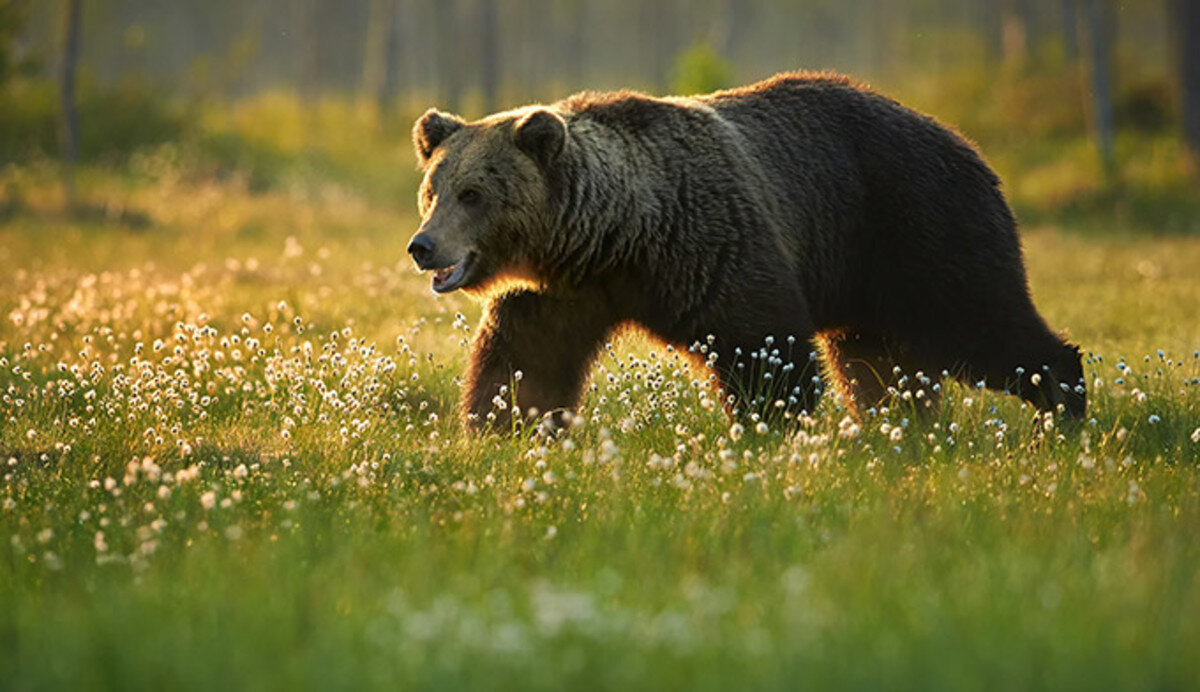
(230, 456)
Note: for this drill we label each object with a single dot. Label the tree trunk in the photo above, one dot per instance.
(574, 46)
(378, 12)
(379, 54)
(1069, 23)
(729, 26)
(661, 23)
(391, 61)
(1187, 20)
(991, 23)
(1097, 14)
(489, 55)
(70, 115)
(306, 49)
(449, 68)
(1014, 33)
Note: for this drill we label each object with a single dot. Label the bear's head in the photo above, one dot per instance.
(485, 200)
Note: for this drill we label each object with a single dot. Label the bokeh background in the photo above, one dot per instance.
(1089, 109)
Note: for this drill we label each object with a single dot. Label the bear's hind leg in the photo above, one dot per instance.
(1050, 376)
(767, 378)
(1032, 363)
(870, 371)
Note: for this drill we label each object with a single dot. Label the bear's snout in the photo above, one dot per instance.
(422, 250)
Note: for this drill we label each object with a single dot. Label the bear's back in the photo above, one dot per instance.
(899, 193)
(854, 184)
(885, 167)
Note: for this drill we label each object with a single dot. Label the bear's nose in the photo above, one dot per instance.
(421, 248)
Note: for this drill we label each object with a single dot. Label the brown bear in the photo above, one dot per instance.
(750, 225)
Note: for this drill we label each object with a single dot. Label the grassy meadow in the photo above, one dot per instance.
(231, 459)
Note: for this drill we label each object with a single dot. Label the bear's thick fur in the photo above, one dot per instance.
(803, 211)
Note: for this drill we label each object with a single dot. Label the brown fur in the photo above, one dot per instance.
(803, 206)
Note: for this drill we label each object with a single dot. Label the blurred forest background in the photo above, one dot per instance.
(1089, 109)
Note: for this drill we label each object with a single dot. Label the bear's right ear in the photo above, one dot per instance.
(431, 130)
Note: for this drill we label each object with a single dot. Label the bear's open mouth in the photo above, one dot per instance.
(449, 278)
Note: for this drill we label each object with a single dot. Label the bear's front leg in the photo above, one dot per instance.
(550, 339)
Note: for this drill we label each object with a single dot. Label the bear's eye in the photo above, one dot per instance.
(469, 197)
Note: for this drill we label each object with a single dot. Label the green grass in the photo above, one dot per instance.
(278, 494)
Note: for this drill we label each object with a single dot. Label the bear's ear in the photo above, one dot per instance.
(541, 134)
(431, 130)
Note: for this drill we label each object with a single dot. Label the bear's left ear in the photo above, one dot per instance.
(541, 134)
